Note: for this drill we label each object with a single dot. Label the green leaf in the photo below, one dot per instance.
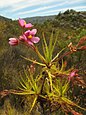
(47, 86)
(38, 78)
(51, 46)
(23, 85)
(34, 61)
(46, 49)
(67, 101)
(62, 66)
(71, 103)
(57, 90)
(53, 43)
(50, 78)
(57, 55)
(26, 92)
(40, 56)
(65, 88)
(31, 81)
(33, 104)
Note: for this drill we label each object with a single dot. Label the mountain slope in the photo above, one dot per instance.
(39, 19)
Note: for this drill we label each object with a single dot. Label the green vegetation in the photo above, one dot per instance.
(67, 27)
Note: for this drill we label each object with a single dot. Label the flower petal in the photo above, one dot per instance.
(29, 42)
(12, 43)
(12, 39)
(33, 31)
(29, 25)
(27, 33)
(22, 38)
(22, 22)
(35, 39)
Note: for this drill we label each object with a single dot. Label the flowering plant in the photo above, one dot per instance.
(51, 87)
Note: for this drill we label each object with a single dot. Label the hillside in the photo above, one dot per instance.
(71, 18)
(39, 19)
(2, 18)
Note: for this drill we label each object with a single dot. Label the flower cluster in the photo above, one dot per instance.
(27, 37)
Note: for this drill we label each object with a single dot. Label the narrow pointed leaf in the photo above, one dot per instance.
(33, 104)
(57, 55)
(72, 103)
(65, 88)
(34, 61)
(50, 78)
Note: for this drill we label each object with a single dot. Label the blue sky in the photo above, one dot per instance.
(15, 9)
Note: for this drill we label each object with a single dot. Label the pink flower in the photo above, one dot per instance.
(13, 41)
(22, 23)
(72, 74)
(29, 36)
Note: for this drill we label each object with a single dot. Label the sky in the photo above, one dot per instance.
(15, 9)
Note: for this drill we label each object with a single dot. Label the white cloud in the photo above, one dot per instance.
(55, 12)
(48, 7)
(23, 5)
(38, 9)
(64, 9)
(16, 3)
(5, 3)
(15, 8)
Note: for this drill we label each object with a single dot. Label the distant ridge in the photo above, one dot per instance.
(60, 17)
(40, 19)
(4, 18)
